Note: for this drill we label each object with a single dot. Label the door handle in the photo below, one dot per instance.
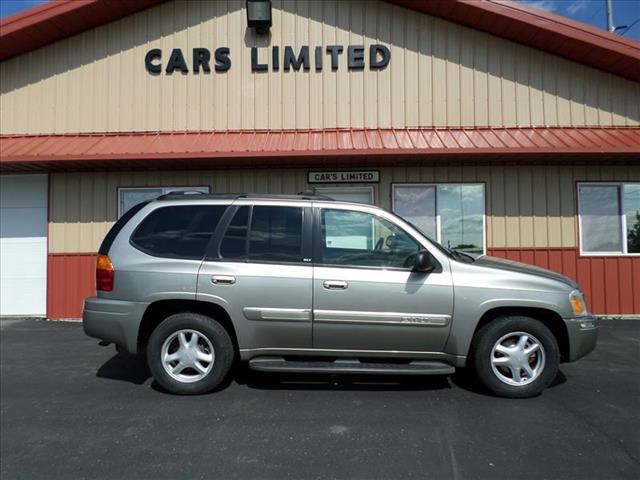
(223, 280)
(335, 284)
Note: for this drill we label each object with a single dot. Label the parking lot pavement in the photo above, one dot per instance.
(72, 409)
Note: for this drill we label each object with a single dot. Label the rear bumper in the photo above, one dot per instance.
(114, 321)
(583, 336)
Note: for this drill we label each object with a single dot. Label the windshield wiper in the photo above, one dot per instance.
(462, 256)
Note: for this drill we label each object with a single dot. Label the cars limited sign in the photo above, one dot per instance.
(262, 59)
(359, 176)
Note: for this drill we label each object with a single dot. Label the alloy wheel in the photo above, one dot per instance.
(517, 358)
(187, 355)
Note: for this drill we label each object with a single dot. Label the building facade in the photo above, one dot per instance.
(496, 128)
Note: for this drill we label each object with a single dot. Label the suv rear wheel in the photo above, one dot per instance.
(515, 356)
(189, 353)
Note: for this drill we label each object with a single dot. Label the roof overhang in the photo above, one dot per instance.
(263, 148)
(514, 21)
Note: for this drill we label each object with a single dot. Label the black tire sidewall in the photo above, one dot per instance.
(217, 335)
(486, 338)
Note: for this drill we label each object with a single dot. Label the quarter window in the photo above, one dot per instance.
(609, 217)
(351, 238)
(178, 231)
(452, 214)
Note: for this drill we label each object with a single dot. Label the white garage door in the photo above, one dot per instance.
(23, 245)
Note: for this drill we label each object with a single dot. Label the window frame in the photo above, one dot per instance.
(317, 241)
(623, 222)
(438, 222)
(165, 190)
(213, 251)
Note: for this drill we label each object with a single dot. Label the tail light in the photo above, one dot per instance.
(104, 274)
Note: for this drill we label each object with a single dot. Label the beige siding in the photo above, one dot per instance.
(440, 74)
(528, 206)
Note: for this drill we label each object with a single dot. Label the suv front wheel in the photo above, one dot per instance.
(515, 356)
(189, 353)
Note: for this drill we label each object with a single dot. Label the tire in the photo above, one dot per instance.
(198, 352)
(508, 369)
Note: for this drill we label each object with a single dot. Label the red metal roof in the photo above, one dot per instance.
(305, 147)
(576, 41)
(540, 29)
(58, 19)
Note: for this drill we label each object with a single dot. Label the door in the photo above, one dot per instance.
(260, 271)
(366, 296)
(23, 245)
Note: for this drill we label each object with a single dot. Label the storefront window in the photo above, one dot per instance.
(452, 214)
(131, 196)
(348, 194)
(609, 218)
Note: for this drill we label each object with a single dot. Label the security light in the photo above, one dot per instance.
(259, 14)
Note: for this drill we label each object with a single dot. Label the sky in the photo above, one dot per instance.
(592, 12)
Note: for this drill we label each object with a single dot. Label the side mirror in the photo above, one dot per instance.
(423, 262)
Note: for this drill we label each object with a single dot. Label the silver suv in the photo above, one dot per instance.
(308, 284)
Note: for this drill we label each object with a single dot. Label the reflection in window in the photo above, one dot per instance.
(417, 203)
(276, 234)
(453, 214)
(631, 202)
(351, 238)
(609, 218)
(600, 216)
(461, 209)
(234, 241)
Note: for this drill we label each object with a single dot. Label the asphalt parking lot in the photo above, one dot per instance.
(73, 409)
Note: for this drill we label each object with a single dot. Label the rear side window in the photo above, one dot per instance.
(276, 234)
(178, 231)
(115, 230)
(264, 234)
(234, 241)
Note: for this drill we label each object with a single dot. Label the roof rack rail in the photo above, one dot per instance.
(184, 195)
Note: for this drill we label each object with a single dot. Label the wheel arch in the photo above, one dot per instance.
(159, 310)
(549, 318)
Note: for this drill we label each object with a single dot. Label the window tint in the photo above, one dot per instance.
(234, 241)
(276, 234)
(352, 238)
(115, 230)
(178, 232)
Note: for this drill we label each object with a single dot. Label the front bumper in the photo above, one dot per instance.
(582, 335)
(114, 321)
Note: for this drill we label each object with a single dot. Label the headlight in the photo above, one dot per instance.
(577, 303)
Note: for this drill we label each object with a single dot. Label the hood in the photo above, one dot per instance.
(511, 266)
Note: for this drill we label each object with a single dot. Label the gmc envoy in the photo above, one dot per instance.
(303, 283)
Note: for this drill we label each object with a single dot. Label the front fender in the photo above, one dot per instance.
(467, 314)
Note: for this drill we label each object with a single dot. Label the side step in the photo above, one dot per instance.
(416, 367)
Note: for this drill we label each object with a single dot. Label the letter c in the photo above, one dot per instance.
(153, 54)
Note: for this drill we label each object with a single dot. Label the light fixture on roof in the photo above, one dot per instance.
(259, 15)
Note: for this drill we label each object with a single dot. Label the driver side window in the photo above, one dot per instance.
(350, 238)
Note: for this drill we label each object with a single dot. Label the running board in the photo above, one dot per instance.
(416, 367)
